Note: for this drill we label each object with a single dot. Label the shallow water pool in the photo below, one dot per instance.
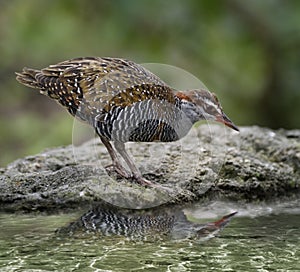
(262, 237)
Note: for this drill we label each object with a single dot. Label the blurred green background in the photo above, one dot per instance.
(245, 51)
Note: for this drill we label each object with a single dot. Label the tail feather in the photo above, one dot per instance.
(28, 78)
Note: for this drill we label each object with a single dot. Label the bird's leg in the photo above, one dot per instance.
(120, 147)
(116, 164)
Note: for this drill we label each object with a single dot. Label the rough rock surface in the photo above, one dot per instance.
(211, 162)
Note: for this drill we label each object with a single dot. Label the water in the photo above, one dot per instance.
(260, 238)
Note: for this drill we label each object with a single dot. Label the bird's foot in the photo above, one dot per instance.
(138, 178)
(119, 169)
(147, 183)
(143, 181)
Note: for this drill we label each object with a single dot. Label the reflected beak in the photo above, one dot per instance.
(226, 121)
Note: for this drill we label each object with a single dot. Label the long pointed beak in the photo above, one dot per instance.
(214, 227)
(224, 220)
(226, 121)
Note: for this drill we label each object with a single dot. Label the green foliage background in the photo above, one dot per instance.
(246, 51)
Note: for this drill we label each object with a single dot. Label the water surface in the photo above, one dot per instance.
(261, 237)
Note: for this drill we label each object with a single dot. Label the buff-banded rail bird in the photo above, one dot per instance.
(124, 102)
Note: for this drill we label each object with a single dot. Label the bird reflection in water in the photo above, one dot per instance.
(159, 222)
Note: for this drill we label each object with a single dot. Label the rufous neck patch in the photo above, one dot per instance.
(182, 96)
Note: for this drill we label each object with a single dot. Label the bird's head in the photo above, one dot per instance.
(203, 105)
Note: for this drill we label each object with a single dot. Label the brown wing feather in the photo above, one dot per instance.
(93, 84)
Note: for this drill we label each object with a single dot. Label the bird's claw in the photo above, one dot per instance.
(142, 181)
(119, 169)
(147, 183)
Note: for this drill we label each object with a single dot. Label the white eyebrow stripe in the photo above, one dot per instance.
(210, 103)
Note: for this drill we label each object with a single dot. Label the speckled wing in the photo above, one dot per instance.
(101, 76)
(105, 82)
(121, 99)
